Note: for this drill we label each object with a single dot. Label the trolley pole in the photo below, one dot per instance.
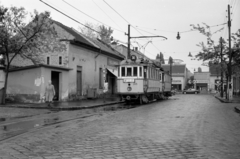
(129, 40)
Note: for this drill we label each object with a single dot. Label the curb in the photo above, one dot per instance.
(65, 108)
(222, 100)
(226, 101)
(237, 109)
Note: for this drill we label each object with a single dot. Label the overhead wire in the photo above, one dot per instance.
(90, 16)
(105, 13)
(234, 7)
(54, 8)
(70, 17)
(121, 16)
(180, 31)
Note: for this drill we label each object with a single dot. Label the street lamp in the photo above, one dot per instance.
(178, 36)
(190, 55)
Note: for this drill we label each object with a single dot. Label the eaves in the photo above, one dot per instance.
(98, 50)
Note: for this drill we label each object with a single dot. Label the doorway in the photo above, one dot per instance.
(79, 80)
(111, 79)
(55, 82)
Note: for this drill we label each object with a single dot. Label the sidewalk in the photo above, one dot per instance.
(235, 99)
(76, 105)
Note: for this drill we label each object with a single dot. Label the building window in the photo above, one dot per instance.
(100, 78)
(48, 60)
(60, 60)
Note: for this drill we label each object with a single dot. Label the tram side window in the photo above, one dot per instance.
(129, 71)
(135, 70)
(140, 71)
(145, 72)
(123, 72)
(153, 71)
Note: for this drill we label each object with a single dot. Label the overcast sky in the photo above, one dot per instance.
(148, 17)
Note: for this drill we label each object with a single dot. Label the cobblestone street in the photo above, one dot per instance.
(185, 126)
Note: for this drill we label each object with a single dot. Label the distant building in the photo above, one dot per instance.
(180, 74)
(202, 81)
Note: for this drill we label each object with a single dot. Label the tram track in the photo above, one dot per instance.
(15, 129)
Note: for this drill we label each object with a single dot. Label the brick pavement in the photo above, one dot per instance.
(157, 130)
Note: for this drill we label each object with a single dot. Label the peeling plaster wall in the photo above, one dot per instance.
(29, 85)
(90, 69)
(26, 84)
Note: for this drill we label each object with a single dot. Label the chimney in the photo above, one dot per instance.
(136, 49)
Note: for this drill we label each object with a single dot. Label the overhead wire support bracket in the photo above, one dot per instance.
(149, 37)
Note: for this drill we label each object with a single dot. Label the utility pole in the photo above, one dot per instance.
(229, 89)
(171, 61)
(128, 55)
(221, 67)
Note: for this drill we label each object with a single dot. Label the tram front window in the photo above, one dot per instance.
(140, 71)
(135, 70)
(123, 72)
(129, 71)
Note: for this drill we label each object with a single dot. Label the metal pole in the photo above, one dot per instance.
(229, 94)
(221, 67)
(128, 55)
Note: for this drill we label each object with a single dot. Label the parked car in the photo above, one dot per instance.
(191, 91)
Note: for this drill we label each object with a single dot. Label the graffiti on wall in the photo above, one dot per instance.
(39, 81)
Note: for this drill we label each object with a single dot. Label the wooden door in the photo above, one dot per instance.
(79, 82)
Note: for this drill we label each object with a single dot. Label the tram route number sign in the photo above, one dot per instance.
(129, 80)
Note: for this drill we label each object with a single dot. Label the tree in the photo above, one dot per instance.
(190, 83)
(210, 53)
(157, 57)
(89, 32)
(95, 31)
(170, 61)
(162, 58)
(105, 34)
(29, 41)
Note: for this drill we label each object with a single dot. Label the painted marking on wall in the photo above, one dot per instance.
(39, 81)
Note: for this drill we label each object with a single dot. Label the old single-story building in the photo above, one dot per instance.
(80, 69)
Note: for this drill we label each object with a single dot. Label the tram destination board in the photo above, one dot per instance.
(129, 80)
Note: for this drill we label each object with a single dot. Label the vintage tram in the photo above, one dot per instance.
(142, 80)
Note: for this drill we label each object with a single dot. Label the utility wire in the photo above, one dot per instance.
(121, 16)
(116, 11)
(90, 16)
(106, 14)
(181, 31)
(70, 17)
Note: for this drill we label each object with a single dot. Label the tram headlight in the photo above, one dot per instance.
(129, 88)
